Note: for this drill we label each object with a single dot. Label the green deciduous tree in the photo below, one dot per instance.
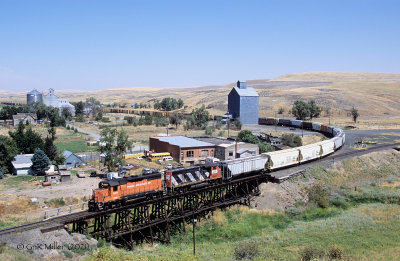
(291, 140)
(305, 110)
(301, 110)
(40, 161)
(200, 117)
(8, 150)
(247, 136)
(355, 114)
(114, 144)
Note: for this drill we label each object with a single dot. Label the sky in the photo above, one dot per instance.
(96, 44)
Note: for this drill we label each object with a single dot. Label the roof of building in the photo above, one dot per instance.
(184, 142)
(246, 92)
(221, 142)
(34, 91)
(21, 116)
(22, 161)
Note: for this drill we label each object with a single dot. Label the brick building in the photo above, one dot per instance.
(183, 149)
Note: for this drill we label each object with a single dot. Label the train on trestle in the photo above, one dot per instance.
(118, 192)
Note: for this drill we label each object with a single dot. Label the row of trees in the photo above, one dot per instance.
(168, 104)
(308, 110)
(197, 120)
(42, 111)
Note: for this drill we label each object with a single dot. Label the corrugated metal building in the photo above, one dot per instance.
(183, 149)
(243, 103)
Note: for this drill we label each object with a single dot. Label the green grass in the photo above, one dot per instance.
(74, 146)
(366, 232)
(18, 181)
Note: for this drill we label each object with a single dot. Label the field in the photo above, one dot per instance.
(374, 94)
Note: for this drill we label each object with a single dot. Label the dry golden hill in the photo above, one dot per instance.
(374, 94)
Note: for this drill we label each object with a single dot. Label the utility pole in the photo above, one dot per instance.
(194, 235)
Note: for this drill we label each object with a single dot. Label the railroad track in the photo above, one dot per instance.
(46, 222)
(331, 157)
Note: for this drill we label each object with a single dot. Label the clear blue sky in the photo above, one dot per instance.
(82, 44)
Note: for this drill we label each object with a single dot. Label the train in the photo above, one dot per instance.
(118, 192)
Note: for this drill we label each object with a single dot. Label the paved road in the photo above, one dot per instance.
(94, 135)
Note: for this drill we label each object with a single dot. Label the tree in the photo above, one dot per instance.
(115, 143)
(49, 148)
(305, 110)
(99, 115)
(200, 117)
(79, 106)
(180, 103)
(40, 161)
(27, 140)
(247, 136)
(176, 119)
(8, 150)
(66, 113)
(355, 114)
(281, 110)
(148, 120)
(315, 110)
(301, 110)
(291, 140)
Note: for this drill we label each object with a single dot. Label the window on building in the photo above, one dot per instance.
(190, 153)
(204, 153)
(230, 153)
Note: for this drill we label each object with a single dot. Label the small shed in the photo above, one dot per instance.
(71, 159)
(52, 178)
(65, 175)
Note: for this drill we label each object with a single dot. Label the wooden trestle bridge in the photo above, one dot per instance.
(159, 218)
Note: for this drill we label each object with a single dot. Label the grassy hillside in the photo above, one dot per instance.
(372, 93)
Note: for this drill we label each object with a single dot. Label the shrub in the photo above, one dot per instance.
(67, 254)
(318, 195)
(310, 253)
(338, 201)
(209, 131)
(247, 250)
(100, 243)
(335, 252)
(68, 128)
(221, 133)
(293, 211)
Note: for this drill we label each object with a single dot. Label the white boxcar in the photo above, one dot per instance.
(327, 147)
(232, 168)
(309, 152)
(282, 158)
(338, 142)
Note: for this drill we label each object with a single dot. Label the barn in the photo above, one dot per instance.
(243, 103)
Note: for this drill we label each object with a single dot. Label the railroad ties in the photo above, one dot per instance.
(159, 218)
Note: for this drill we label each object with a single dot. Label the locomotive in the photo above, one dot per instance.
(118, 192)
